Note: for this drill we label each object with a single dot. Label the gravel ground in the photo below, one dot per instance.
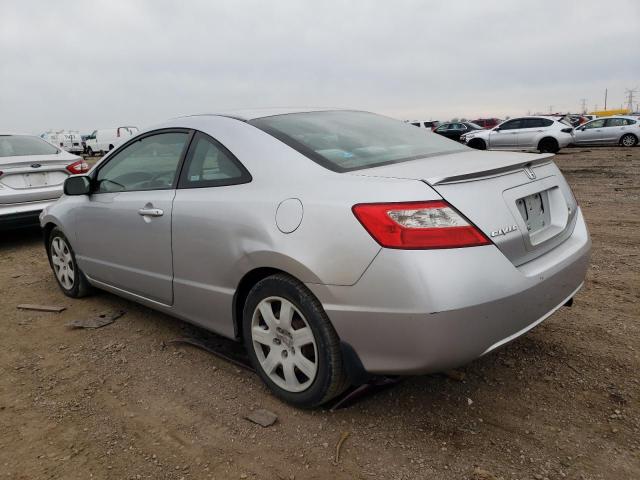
(559, 402)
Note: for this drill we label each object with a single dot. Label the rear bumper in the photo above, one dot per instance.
(416, 312)
(17, 215)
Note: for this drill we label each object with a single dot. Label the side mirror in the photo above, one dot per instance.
(77, 185)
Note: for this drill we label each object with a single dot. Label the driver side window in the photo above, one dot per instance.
(150, 163)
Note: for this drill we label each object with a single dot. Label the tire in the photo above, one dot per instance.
(89, 152)
(305, 372)
(110, 148)
(548, 145)
(629, 140)
(478, 144)
(63, 260)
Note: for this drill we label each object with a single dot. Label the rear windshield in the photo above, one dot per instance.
(19, 145)
(343, 141)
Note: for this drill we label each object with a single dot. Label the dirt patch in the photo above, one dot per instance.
(560, 402)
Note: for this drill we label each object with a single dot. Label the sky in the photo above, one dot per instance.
(98, 64)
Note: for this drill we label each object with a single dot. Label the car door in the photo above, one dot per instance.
(123, 228)
(613, 130)
(457, 131)
(505, 135)
(528, 132)
(444, 130)
(210, 226)
(591, 132)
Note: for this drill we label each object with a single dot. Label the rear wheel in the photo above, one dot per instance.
(70, 278)
(291, 342)
(629, 140)
(548, 145)
(89, 152)
(478, 144)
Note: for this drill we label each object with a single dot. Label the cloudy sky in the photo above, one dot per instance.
(94, 64)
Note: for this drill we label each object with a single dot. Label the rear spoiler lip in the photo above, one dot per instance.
(491, 172)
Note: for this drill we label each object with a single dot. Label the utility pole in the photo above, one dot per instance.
(550, 109)
(629, 93)
(605, 98)
(583, 103)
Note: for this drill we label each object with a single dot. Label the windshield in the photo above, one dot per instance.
(343, 141)
(19, 145)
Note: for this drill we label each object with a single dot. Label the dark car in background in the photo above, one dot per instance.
(487, 122)
(454, 130)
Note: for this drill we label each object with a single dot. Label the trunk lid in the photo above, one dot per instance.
(520, 201)
(30, 178)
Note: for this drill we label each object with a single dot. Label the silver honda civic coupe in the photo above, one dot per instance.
(335, 244)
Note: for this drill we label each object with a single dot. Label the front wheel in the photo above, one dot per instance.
(628, 140)
(291, 342)
(70, 278)
(478, 144)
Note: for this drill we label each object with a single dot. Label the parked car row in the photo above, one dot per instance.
(544, 133)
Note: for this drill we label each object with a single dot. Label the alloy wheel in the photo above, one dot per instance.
(62, 262)
(284, 344)
(628, 141)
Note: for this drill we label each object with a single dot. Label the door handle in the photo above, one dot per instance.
(150, 212)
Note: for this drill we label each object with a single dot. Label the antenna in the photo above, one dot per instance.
(629, 93)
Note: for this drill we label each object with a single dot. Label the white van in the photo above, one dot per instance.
(68, 140)
(101, 141)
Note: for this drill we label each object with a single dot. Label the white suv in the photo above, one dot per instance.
(543, 134)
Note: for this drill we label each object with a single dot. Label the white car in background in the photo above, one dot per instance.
(103, 140)
(68, 140)
(617, 130)
(532, 133)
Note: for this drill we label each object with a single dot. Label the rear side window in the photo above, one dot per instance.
(209, 164)
(344, 141)
(615, 122)
(512, 124)
(20, 145)
(150, 163)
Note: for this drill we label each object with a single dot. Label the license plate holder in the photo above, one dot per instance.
(35, 179)
(535, 212)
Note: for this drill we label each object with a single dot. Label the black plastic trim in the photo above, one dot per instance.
(352, 364)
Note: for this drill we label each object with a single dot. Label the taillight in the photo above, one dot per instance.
(79, 166)
(418, 225)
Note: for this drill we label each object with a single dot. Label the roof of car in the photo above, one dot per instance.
(247, 114)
